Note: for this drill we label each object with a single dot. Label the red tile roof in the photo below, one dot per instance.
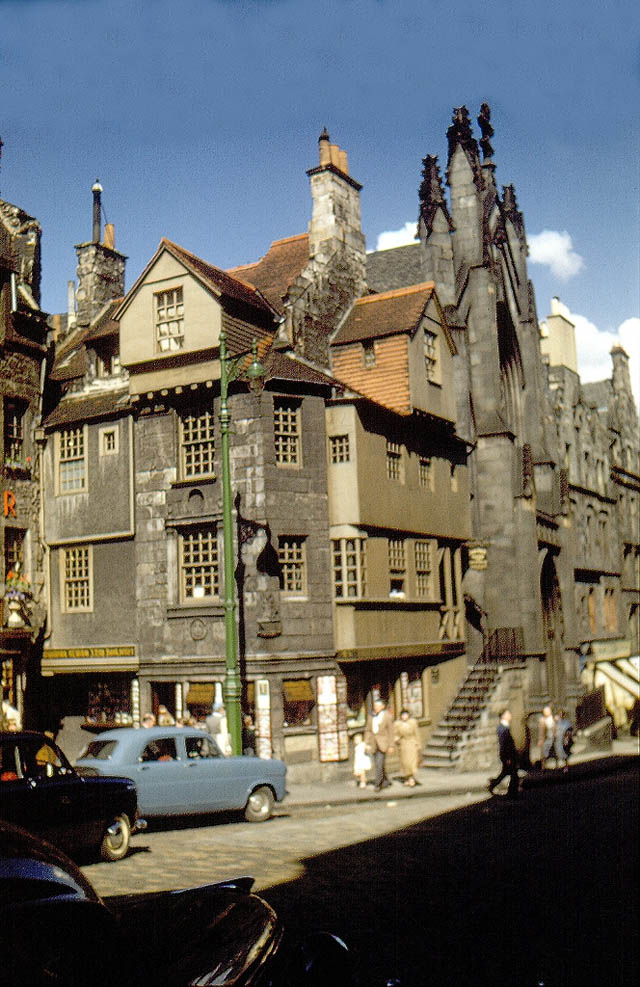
(274, 273)
(386, 314)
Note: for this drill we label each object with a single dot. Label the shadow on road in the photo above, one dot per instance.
(542, 890)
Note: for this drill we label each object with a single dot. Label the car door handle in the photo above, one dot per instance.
(145, 767)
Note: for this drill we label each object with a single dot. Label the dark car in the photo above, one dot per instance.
(55, 930)
(40, 791)
(180, 771)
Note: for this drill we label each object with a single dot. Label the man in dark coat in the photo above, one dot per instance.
(379, 738)
(508, 756)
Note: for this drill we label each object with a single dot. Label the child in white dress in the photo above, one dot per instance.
(361, 760)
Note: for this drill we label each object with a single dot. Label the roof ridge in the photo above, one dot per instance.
(397, 292)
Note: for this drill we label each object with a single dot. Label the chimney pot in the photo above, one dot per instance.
(344, 164)
(335, 151)
(110, 236)
(97, 191)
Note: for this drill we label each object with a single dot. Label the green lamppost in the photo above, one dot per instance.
(230, 369)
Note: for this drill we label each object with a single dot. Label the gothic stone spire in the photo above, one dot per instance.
(431, 193)
(459, 133)
(484, 122)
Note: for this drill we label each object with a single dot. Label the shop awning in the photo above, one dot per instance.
(298, 690)
(200, 694)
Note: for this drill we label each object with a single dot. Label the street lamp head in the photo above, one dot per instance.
(255, 372)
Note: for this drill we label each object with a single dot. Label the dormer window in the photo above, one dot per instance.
(169, 320)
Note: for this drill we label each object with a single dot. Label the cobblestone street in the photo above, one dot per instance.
(271, 852)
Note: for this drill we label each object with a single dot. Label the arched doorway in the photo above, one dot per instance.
(553, 623)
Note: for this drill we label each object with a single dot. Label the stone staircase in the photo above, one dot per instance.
(452, 735)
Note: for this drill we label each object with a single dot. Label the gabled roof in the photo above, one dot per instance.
(386, 314)
(280, 366)
(214, 278)
(105, 325)
(274, 273)
(395, 267)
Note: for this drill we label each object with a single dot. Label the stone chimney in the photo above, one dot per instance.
(100, 267)
(621, 375)
(335, 220)
(558, 337)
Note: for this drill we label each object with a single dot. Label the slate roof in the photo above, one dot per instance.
(282, 367)
(274, 273)
(395, 268)
(105, 325)
(386, 314)
(83, 408)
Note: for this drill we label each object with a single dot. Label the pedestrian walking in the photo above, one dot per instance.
(508, 756)
(379, 738)
(407, 739)
(563, 739)
(546, 735)
(361, 760)
(214, 719)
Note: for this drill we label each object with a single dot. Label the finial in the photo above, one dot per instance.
(431, 192)
(324, 136)
(484, 122)
(97, 187)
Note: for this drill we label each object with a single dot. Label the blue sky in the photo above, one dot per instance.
(200, 118)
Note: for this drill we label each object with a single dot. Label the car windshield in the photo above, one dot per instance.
(100, 749)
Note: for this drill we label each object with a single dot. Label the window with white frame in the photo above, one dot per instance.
(349, 567)
(72, 462)
(14, 413)
(286, 431)
(108, 440)
(339, 448)
(169, 320)
(397, 567)
(394, 461)
(76, 571)
(431, 355)
(292, 559)
(199, 565)
(425, 473)
(197, 444)
(424, 568)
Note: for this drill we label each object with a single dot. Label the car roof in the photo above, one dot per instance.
(134, 738)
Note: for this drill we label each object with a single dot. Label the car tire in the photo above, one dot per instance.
(116, 839)
(259, 805)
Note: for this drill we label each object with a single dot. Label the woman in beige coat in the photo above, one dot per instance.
(408, 743)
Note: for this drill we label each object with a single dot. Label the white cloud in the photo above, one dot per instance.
(556, 251)
(397, 238)
(594, 346)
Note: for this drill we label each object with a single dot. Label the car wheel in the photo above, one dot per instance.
(116, 839)
(260, 805)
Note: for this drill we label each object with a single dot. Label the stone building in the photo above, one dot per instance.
(518, 589)
(600, 441)
(23, 349)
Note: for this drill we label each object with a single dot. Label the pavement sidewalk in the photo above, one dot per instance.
(436, 782)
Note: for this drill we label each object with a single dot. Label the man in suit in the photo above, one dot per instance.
(378, 739)
(508, 756)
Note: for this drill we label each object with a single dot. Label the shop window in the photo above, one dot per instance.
(109, 701)
(293, 569)
(349, 567)
(394, 462)
(339, 448)
(72, 462)
(199, 566)
(14, 438)
(286, 432)
(169, 320)
(397, 566)
(298, 702)
(77, 579)
(13, 548)
(197, 445)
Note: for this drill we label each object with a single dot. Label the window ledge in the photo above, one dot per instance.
(190, 610)
(196, 481)
(386, 602)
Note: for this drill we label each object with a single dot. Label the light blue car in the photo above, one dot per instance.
(180, 771)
